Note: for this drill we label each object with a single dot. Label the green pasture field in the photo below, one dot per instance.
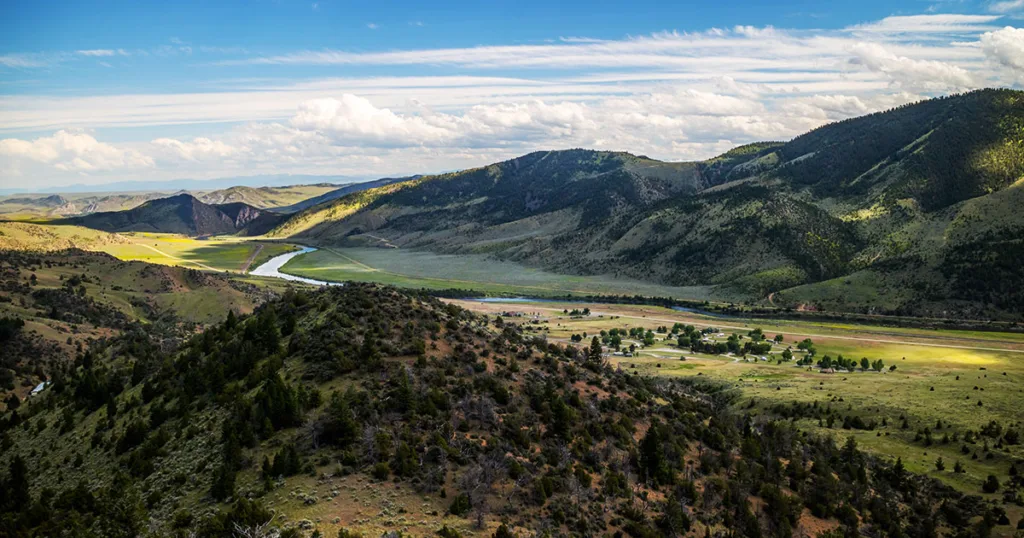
(422, 269)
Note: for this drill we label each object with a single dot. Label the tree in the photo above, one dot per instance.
(940, 465)
(594, 354)
(17, 495)
(13, 402)
(340, 427)
(991, 484)
(652, 456)
(865, 363)
(958, 467)
(223, 483)
(503, 532)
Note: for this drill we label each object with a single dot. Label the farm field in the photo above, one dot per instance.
(939, 376)
(422, 269)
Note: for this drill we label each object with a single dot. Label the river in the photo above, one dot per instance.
(272, 267)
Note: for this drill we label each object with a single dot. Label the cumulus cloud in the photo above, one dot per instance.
(1005, 46)
(352, 118)
(72, 151)
(929, 74)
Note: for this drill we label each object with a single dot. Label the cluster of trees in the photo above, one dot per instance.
(851, 365)
(575, 312)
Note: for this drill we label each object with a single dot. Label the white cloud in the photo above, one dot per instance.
(1005, 46)
(372, 26)
(72, 151)
(28, 60)
(1007, 6)
(353, 118)
(948, 24)
(198, 150)
(928, 74)
(102, 52)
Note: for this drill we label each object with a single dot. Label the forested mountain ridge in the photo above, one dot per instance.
(881, 213)
(365, 409)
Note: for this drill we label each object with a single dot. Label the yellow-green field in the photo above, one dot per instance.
(924, 387)
(222, 254)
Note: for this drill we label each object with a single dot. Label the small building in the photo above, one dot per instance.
(39, 388)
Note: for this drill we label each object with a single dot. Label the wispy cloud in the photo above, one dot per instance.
(1007, 6)
(31, 60)
(372, 25)
(102, 52)
(671, 95)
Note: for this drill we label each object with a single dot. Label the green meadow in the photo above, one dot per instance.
(422, 269)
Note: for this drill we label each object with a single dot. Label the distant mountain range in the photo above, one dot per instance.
(917, 210)
(183, 214)
(37, 206)
(235, 210)
(174, 185)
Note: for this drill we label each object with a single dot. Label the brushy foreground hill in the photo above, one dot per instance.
(55, 304)
(911, 211)
(362, 410)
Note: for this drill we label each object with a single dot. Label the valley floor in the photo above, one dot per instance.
(422, 269)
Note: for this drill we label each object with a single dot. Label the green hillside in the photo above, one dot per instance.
(841, 218)
(365, 411)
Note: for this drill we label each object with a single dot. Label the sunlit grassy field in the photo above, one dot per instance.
(224, 254)
(211, 254)
(924, 388)
(422, 269)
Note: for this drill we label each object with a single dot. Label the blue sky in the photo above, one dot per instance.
(94, 92)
